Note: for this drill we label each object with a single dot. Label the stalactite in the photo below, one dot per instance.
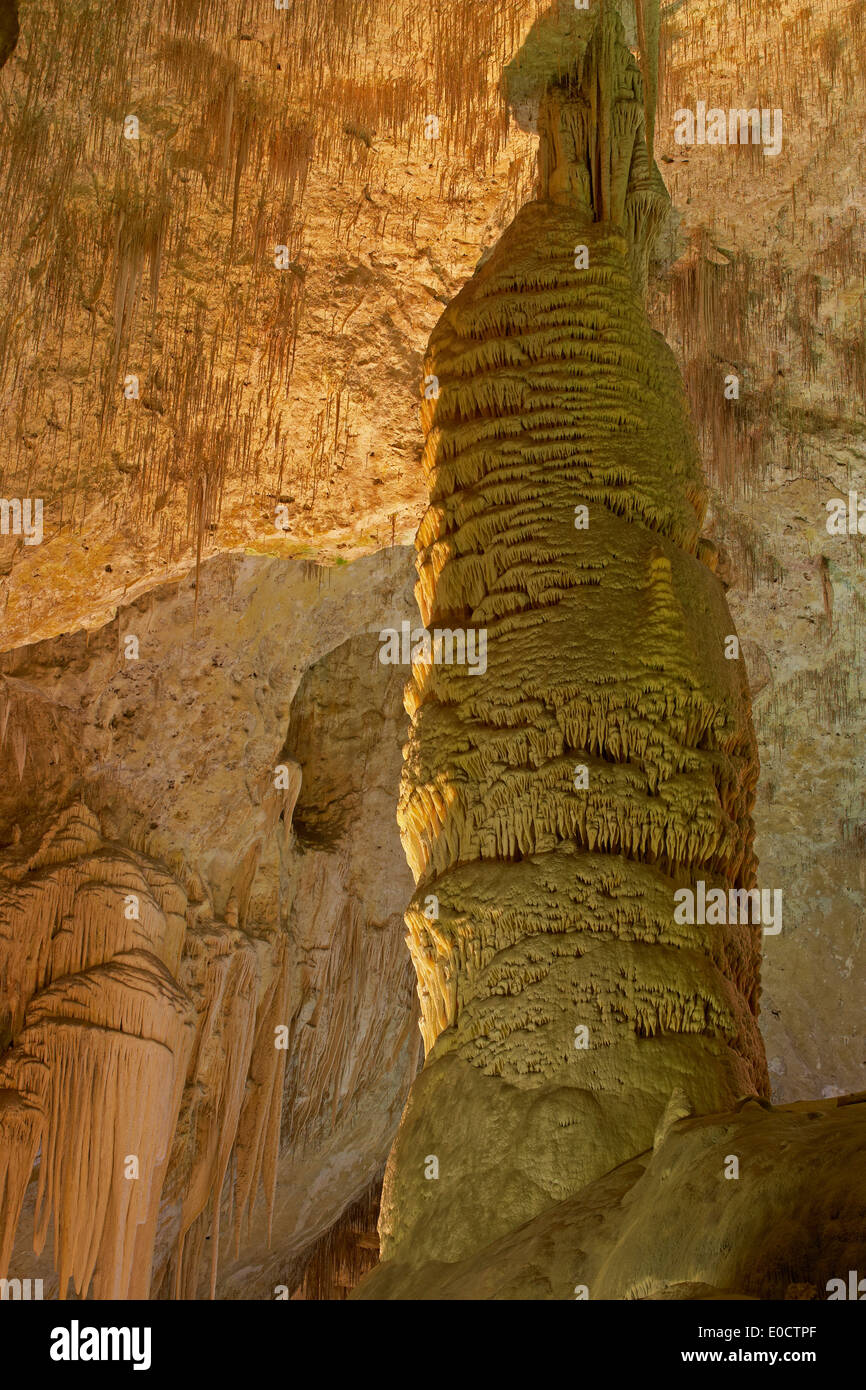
(136, 1042)
(345, 1254)
(223, 966)
(22, 1130)
(114, 1043)
(258, 1136)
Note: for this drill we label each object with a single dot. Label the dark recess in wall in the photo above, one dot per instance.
(8, 29)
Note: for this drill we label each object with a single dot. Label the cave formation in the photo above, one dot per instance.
(198, 850)
(553, 805)
(106, 1027)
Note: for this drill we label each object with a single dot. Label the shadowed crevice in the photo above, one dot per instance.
(9, 29)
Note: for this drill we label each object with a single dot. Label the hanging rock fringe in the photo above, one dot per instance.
(142, 1035)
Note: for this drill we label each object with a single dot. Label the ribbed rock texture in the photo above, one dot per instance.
(104, 1038)
(260, 385)
(565, 519)
(171, 908)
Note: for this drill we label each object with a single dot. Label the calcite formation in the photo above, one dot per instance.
(553, 805)
(135, 1028)
(774, 1232)
(169, 385)
(171, 911)
(313, 117)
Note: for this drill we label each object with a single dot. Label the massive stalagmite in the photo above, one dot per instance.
(563, 1006)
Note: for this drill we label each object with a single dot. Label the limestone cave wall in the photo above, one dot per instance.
(231, 232)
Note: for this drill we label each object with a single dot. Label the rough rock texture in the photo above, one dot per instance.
(261, 386)
(553, 903)
(761, 273)
(772, 1232)
(150, 252)
(155, 778)
(768, 284)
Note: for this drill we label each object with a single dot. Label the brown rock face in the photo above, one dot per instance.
(103, 1041)
(238, 988)
(263, 265)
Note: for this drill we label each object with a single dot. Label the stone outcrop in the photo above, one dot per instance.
(773, 1232)
(168, 903)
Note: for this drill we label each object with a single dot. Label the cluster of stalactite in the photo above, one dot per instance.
(348, 1251)
(148, 249)
(138, 1055)
(553, 803)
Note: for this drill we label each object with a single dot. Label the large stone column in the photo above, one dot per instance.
(556, 797)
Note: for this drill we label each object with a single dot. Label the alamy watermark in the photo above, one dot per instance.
(22, 516)
(716, 907)
(854, 1289)
(847, 518)
(737, 126)
(21, 1290)
(77, 1343)
(443, 647)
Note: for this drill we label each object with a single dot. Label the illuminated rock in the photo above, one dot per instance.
(562, 1004)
